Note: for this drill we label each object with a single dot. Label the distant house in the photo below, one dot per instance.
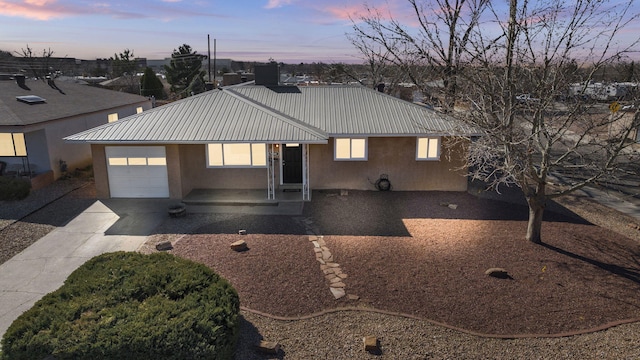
(35, 116)
(275, 138)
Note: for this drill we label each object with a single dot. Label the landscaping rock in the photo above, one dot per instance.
(371, 345)
(239, 245)
(499, 273)
(242, 232)
(269, 347)
(338, 293)
(164, 246)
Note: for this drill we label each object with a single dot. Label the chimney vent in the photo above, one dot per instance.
(268, 74)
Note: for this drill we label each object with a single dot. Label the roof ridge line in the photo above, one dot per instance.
(286, 118)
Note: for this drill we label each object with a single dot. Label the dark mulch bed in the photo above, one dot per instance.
(415, 254)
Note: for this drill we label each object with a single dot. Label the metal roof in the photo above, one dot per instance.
(65, 100)
(251, 113)
(213, 116)
(354, 110)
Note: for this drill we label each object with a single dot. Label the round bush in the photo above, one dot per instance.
(130, 306)
(14, 188)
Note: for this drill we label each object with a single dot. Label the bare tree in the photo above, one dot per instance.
(525, 68)
(125, 66)
(38, 66)
(520, 89)
(435, 49)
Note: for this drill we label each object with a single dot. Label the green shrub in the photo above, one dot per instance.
(14, 188)
(130, 306)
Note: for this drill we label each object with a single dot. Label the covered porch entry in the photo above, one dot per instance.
(287, 180)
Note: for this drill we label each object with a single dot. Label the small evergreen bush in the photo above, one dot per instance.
(14, 188)
(130, 306)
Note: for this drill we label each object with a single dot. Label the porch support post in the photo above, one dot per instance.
(306, 191)
(271, 191)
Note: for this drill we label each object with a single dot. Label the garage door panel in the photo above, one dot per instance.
(130, 176)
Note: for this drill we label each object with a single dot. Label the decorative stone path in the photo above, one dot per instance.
(331, 270)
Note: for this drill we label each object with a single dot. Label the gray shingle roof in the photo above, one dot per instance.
(276, 114)
(77, 99)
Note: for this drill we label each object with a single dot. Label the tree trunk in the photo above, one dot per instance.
(536, 211)
(534, 228)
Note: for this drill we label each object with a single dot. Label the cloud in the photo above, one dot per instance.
(34, 9)
(278, 3)
(343, 12)
(44, 10)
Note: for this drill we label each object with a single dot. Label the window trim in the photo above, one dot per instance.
(252, 156)
(427, 147)
(351, 157)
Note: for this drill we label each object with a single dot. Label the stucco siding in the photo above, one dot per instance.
(196, 175)
(393, 156)
(77, 155)
(174, 171)
(100, 171)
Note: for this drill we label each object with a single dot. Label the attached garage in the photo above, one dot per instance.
(137, 171)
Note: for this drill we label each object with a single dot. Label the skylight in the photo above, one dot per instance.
(31, 99)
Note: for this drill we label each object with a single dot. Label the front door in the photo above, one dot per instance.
(292, 164)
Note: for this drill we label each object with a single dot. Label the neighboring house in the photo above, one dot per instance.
(35, 116)
(274, 138)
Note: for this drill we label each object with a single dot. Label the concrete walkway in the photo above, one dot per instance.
(44, 266)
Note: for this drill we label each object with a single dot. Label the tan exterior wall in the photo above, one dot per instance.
(100, 171)
(196, 175)
(394, 156)
(174, 171)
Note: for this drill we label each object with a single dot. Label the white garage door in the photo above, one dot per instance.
(137, 171)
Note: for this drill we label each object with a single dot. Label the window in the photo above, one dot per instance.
(428, 148)
(139, 109)
(137, 161)
(118, 161)
(237, 155)
(351, 149)
(113, 117)
(12, 144)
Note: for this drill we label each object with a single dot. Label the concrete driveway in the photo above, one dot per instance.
(43, 267)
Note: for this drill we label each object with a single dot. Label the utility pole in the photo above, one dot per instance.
(209, 55)
(214, 64)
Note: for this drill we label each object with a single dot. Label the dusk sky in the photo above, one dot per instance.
(285, 30)
(290, 31)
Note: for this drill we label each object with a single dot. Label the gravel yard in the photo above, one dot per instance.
(24, 222)
(403, 254)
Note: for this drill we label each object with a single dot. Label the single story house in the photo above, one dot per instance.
(275, 138)
(35, 116)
